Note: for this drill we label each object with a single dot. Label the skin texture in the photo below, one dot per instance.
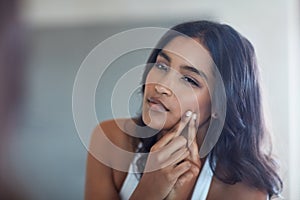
(103, 182)
(171, 83)
(173, 104)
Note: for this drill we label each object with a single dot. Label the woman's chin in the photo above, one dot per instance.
(154, 122)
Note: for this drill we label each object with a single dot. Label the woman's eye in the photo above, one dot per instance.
(191, 81)
(161, 66)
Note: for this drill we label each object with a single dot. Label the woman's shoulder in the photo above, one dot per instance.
(240, 190)
(118, 131)
(108, 158)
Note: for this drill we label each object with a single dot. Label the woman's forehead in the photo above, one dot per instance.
(189, 50)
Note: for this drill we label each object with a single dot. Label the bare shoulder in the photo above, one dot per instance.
(108, 158)
(240, 190)
(117, 132)
(111, 139)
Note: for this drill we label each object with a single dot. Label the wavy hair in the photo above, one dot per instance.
(240, 151)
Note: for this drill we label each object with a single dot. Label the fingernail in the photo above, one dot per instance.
(194, 116)
(188, 113)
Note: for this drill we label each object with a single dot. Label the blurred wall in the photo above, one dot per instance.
(48, 151)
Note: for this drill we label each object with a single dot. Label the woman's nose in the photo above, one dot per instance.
(163, 90)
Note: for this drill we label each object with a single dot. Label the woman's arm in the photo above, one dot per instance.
(99, 181)
(102, 180)
(169, 154)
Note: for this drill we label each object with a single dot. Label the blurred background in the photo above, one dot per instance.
(47, 154)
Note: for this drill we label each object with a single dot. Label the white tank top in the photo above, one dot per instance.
(200, 191)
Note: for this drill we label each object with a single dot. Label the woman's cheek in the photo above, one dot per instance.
(189, 104)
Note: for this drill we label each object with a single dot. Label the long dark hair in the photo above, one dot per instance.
(240, 151)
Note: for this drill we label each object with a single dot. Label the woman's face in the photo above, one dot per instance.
(178, 83)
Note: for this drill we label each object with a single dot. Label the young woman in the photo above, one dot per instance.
(179, 107)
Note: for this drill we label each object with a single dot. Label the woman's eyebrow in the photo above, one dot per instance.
(188, 68)
(195, 70)
(164, 55)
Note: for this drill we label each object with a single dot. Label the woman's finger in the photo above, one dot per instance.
(177, 157)
(162, 142)
(167, 152)
(184, 178)
(192, 129)
(194, 154)
(182, 124)
(181, 168)
(192, 141)
(174, 132)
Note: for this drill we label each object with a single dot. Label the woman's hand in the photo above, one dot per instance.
(169, 157)
(184, 185)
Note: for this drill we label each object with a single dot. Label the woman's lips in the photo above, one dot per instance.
(156, 105)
